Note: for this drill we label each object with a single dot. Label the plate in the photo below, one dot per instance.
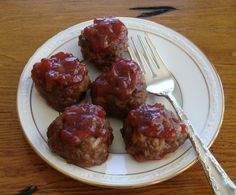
(199, 91)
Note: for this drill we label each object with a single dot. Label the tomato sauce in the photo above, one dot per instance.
(80, 122)
(105, 33)
(61, 68)
(155, 121)
(120, 80)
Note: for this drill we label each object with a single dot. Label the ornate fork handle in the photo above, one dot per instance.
(220, 181)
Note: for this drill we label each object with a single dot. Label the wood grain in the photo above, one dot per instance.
(25, 25)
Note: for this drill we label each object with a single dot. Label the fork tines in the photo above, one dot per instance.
(144, 52)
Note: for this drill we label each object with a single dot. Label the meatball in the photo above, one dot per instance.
(104, 41)
(120, 89)
(81, 135)
(151, 131)
(61, 79)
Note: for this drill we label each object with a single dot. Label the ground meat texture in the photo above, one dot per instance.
(81, 135)
(61, 79)
(151, 131)
(120, 89)
(104, 41)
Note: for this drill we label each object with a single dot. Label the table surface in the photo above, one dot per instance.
(25, 25)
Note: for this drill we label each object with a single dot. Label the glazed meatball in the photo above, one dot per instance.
(81, 135)
(151, 131)
(120, 89)
(61, 79)
(104, 41)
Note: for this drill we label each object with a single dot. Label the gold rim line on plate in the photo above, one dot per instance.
(142, 184)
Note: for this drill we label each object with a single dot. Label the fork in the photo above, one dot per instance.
(161, 82)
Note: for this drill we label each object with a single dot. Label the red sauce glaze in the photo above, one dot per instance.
(105, 33)
(155, 121)
(120, 80)
(62, 68)
(83, 121)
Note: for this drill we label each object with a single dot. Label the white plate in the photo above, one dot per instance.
(200, 93)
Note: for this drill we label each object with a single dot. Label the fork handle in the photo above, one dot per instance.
(219, 180)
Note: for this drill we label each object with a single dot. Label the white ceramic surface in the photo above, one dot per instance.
(200, 92)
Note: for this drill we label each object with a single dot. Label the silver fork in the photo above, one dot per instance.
(161, 82)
